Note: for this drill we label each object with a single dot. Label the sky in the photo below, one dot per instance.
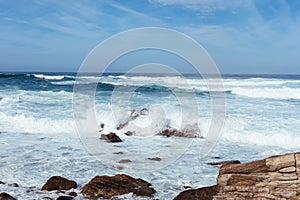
(241, 36)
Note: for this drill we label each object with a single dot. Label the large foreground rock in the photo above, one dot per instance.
(205, 193)
(109, 186)
(277, 177)
(5, 196)
(59, 183)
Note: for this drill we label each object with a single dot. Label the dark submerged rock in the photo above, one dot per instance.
(155, 159)
(111, 137)
(74, 194)
(5, 196)
(59, 183)
(14, 185)
(224, 163)
(65, 198)
(109, 186)
(205, 193)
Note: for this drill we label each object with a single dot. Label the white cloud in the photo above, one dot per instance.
(206, 6)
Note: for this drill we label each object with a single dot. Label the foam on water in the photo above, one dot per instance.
(39, 138)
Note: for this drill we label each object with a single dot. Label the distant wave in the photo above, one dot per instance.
(273, 93)
(48, 77)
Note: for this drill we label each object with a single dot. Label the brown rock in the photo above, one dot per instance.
(109, 186)
(133, 115)
(275, 163)
(5, 196)
(111, 137)
(275, 177)
(123, 161)
(205, 193)
(174, 132)
(247, 168)
(74, 194)
(59, 183)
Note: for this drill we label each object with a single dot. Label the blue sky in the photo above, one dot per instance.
(242, 36)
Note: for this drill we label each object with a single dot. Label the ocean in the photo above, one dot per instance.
(39, 137)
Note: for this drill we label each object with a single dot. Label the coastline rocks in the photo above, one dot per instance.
(205, 193)
(59, 183)
(111, 137)
(109, 186)
(5, 196)
(276, 177)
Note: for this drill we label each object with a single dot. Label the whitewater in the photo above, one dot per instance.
(39, 137)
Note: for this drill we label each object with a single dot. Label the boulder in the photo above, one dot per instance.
(59, 183)
(5, 196)
(205, 193)
(111, 137)
(109, 186)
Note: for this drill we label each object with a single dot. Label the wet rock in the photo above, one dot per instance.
(124, 161)
(133, 115)
(47, 198)
(109, 186)
(65, 198)
(155, 159)
(205, 193)
(74, 194)
(119, 152)
(59, 183)
(5, 196)
(223, 163)
(14, 185)
(111, 137)
(175, 132)
(129, 133)
(2, 183)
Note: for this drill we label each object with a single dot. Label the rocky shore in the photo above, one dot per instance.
(276, 177)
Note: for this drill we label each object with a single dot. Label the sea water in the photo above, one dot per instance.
(39, 137)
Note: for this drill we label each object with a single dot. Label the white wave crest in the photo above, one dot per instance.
(271, 93)
(47, 77)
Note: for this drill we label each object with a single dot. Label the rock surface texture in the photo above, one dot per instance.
(59, 183)
(276, 177)
(205, 193)
(109, 186)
